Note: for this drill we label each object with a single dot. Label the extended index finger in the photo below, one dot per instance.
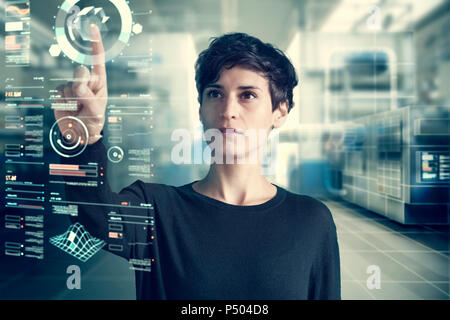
(98, 69)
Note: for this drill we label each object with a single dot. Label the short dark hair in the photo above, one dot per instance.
(241, 49)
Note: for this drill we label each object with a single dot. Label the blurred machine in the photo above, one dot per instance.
(397, 163)
(377, 105)
(394, 157)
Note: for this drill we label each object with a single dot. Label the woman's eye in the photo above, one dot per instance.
(213, 94)
(248, 95)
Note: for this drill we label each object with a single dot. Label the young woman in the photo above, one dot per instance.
(233, 234)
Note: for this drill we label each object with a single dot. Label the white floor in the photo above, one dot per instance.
(413, 261)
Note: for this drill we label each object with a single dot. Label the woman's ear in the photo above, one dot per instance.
(200, 114)
(279, 115)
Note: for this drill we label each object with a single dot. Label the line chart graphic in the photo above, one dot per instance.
(77, 242)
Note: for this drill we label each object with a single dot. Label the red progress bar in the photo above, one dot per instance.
(13, 47)
(64, 166)
(68, 173)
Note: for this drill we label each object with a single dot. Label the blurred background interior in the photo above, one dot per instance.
(368, 135)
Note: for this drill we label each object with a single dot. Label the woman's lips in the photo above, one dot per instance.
(231, 131)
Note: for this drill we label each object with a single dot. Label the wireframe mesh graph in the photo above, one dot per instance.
(77, 242)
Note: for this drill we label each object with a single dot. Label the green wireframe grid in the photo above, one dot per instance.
(77, 242)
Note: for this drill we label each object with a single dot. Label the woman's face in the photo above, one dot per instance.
(240, 101)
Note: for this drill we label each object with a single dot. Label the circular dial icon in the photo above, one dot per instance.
(69, 136)
(72, 28)
(115, 154)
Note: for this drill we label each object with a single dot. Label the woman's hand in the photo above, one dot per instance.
(89, 91)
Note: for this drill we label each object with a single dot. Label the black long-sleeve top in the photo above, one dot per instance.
(201, 248)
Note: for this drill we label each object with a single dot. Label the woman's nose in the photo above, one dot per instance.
(230, 108)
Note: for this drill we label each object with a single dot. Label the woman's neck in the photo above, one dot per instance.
(238, 184)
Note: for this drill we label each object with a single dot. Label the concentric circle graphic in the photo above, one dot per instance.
(115, 154)
(87, 59)
(73, 139)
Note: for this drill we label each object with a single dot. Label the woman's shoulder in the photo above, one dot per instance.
(309, 207)
(150, 189)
